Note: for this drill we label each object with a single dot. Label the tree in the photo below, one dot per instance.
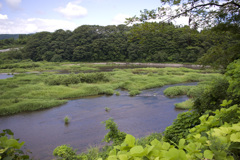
(201, 13)
(218, 15)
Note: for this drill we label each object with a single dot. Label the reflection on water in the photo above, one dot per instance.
(141, 115)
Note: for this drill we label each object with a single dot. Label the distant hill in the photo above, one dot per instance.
(8, 36)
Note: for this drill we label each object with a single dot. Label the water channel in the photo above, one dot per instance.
(141, 115)
(5, 76)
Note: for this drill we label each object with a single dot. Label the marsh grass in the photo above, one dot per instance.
(25, 105)
(28, 92)
(66, 120)
(188, 104)
(177, 91)
(134, 92)
(117, 93)
(107, 109)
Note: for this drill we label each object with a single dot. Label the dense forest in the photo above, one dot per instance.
(147, 42)
(12, 40)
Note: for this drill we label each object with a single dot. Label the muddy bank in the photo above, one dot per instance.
(162, 65)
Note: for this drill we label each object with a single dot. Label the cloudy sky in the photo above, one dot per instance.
(30, 16)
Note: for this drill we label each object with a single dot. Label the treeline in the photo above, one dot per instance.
(12, 40)
(147, 42)
(8, 36)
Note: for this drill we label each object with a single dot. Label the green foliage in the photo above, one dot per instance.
(76, 78)
(217, 118)
(19, 65)
(214, 138)
(65, 152)
(180, 127)
(29, 92)
(10, 148)
(233, 75)
(147, 42)
(188, 104)
(107, 109)
(212, 96)
(148, 139)
(177, 90)
(66, 120)
(114, 135)
(134, 92)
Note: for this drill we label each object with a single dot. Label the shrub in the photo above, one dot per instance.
(148, 139)
(65, 152)
(180, 127)
(212, 96)
(114, 135)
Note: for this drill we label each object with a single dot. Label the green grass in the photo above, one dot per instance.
(184, 105)
(66, 119)
(29, 92)
(177, 90)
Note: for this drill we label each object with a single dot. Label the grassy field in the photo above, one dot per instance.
(34, 91)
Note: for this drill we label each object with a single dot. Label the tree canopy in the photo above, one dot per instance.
(205, 13)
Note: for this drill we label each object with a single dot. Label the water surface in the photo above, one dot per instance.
(141, 115)
(5, 76)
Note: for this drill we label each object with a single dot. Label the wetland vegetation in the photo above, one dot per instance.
(209, 130)
(34, 91)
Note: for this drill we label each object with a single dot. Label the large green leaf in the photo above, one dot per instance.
(181, 143)
(137, 151)
(129, 140)
(208, 154)
(235, 137)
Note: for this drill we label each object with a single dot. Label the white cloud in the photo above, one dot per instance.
(3, 16)
(34, 25)
(73, 10)
(13, 3)
(119, 19)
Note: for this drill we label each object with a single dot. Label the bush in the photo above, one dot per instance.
(114, 135)
(212, 96)
(65, 152)
(180, 127)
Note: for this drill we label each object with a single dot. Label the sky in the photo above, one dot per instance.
(31, 16)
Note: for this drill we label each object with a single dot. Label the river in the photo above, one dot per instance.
(141, 115)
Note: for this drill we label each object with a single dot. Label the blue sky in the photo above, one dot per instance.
(30, 16)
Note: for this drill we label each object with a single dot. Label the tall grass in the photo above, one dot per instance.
(177, 90)
(188, 104)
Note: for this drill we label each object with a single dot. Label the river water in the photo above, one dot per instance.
(5, 76)
(141, 115)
